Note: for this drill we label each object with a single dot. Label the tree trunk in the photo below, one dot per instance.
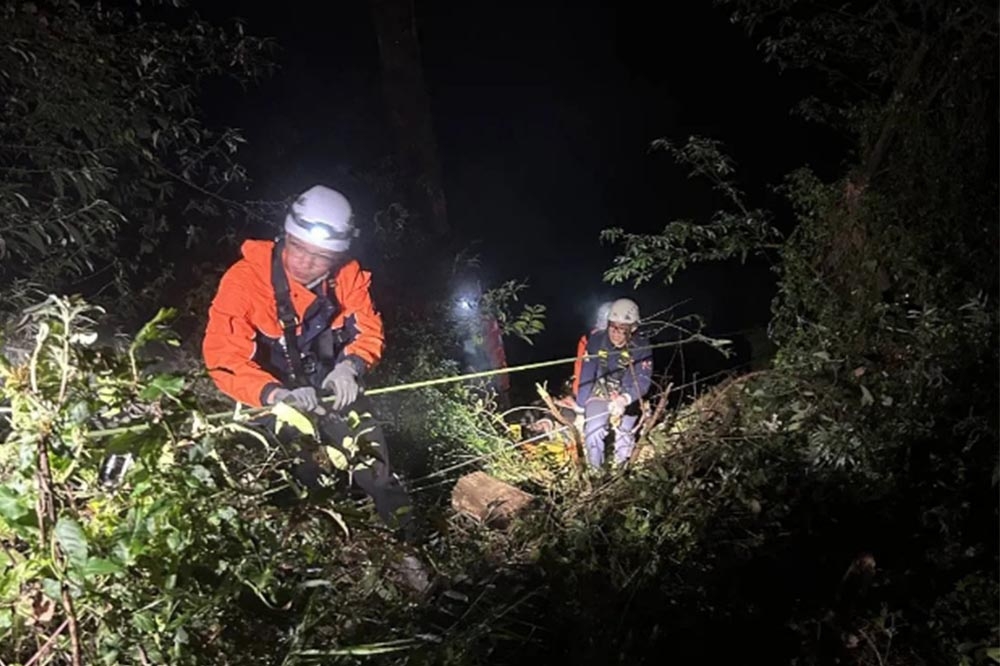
(408, 106)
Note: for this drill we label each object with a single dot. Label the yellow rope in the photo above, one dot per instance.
(409, 386)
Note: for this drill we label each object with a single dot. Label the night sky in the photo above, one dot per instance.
(543, 113)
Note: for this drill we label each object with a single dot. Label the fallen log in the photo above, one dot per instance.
(488, 500)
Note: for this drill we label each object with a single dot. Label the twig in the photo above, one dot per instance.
(874, 648)
(214, 195)
(661, 407)
(45, 646)
(577, 444)
(64, 360)
(74, 634)
(46, 511)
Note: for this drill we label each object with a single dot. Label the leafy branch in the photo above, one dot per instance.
(727, 234)
(501, 303)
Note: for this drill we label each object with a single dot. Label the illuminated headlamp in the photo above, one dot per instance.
(321, 234)
(321, 231)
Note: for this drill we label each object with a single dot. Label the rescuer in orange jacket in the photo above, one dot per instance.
(338, 331)
(293, 320)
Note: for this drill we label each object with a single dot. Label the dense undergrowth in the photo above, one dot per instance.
(735, 521)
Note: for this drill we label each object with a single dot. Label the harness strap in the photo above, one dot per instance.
(288, 319)
(607, 384)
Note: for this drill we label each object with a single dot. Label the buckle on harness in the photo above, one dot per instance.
(308, 364)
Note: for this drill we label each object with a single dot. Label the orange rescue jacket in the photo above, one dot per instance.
(244, 314)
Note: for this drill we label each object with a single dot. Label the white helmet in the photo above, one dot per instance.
(322, 217)
(601, 322)
(624, 311)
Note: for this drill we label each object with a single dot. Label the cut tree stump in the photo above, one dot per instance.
(488, 500)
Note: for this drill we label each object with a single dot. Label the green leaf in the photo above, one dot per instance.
(72, 540)
(286, 415)
(97, 566)
(144, 623)
(175, 541)
(337, 458)
(155, 329)
(203, 475)
(160, 385)
(12, 505)
(52, 588)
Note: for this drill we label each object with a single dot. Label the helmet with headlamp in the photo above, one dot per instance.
(322, 217)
